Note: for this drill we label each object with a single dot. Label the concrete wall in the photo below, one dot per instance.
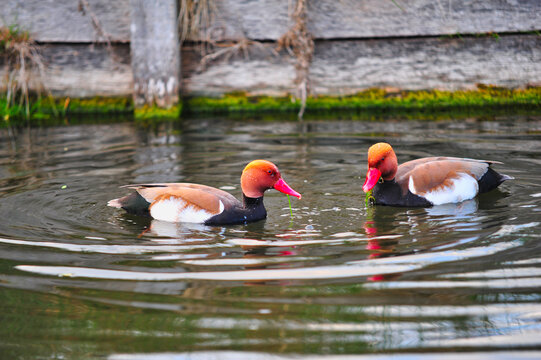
(359, 44)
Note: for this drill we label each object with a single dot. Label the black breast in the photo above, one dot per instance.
(252, 210)
(390, 193)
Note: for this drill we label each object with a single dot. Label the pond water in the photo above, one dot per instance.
(82, 280)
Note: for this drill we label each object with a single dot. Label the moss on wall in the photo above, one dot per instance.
(369, 103)
(373, 100)
(47, 107)
(151, 113)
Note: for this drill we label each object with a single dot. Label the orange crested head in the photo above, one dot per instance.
(261, 175)
(378, 152)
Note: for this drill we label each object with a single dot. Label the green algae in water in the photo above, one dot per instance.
(369, 200)
(290, 209)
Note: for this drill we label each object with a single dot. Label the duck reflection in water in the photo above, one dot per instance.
(377, 248)
(165, 231)
(182, 231)
(277, 255)
(251, 257)
(438, 220)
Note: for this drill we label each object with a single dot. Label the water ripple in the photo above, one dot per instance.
(351, 269)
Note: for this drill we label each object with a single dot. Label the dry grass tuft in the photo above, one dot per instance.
(299, 43)
(22, 61)
(195, 17)
(195, 22)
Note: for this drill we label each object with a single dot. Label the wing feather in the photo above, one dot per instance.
(429, 174)
(202, 196)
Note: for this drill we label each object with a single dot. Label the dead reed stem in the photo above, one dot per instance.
(103, 35)
(194, 18)
(299, 43)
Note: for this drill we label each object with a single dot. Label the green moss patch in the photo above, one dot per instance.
(95, 105)
(372, 100)
(156, 113)
(48, 107)
(239, 102)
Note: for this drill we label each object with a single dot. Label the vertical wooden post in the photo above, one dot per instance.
(155, 52)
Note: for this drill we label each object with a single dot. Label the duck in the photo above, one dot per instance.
(196, 203)
(427, 181)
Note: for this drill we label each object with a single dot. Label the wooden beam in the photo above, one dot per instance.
(68, 20)
(342, 67)
(358, 19)
(155, 52)
(346, 67)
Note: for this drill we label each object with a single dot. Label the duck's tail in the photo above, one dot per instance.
(114, 203)
(133, 203)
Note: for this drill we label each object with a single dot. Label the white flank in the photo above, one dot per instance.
(176, 210)
(463, 188)
(167, 210)
(221, 207)
(411, 186)
(193, 215)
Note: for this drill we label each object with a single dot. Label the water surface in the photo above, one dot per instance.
(81, 280)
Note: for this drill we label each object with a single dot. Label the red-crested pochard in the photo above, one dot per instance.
(428, 181)
(185, 202)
